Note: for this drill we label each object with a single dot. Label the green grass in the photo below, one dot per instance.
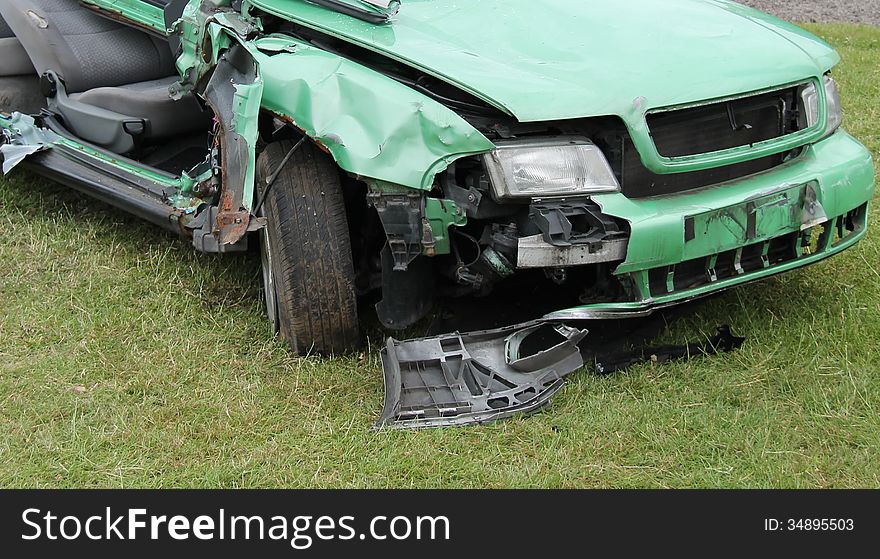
(128, 360)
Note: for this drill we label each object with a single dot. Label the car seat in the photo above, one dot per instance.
(106, 81)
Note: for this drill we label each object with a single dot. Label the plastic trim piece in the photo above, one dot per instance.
(466, 379)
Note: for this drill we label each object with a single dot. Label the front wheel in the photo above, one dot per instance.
(307, 263)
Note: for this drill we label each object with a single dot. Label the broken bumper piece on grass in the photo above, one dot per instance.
(465, 379)
(471, 379)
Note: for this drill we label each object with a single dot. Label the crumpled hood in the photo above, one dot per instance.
(559, 59)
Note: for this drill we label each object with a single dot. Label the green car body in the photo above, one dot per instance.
(401, 104)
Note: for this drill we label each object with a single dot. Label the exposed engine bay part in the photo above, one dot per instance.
(408, 295)
(414, 224)
(535, 252)
(466, 379)
(475, 200)
(724, 341)
(402, 216)
(565, 223)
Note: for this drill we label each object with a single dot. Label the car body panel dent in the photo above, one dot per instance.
(582, 59)
(399, 135)
(373, 126)
(621, 59)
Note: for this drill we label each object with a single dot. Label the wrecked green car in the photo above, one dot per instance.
(622, 156)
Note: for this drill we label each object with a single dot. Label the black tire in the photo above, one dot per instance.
(310, 248)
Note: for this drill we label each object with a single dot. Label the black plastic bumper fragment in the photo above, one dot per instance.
(466, 379)
(722, 342)
(574, 222)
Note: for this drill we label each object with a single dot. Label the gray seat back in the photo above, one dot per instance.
(83, 48)
(14, 60)
(5, 31)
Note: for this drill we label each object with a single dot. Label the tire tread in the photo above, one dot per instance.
(311, 248)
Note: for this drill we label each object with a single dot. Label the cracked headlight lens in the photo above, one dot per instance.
(548, 167)
(810, 97)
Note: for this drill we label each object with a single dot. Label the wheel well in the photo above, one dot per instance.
(365, 229)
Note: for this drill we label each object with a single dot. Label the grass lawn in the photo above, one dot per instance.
(129, 360)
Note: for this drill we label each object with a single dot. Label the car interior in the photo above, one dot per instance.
(101, 81)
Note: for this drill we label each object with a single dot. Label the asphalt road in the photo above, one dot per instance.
(821, 11)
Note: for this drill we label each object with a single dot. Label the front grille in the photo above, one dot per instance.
(638, 182)
(706, 129)
(725, 125)
(699, 272)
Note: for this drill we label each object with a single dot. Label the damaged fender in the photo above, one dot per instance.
(399, 136)
(373, 126)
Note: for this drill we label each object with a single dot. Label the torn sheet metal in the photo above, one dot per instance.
(400, 136)
(234, 94)
(21, 138)
(465, 379)
(14, 154)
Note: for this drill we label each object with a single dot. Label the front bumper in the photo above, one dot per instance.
(692, 244)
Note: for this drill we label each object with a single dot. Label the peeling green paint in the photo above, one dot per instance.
(246, 111)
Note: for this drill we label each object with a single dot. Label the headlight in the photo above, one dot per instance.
(548, 167)
(832, 100)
